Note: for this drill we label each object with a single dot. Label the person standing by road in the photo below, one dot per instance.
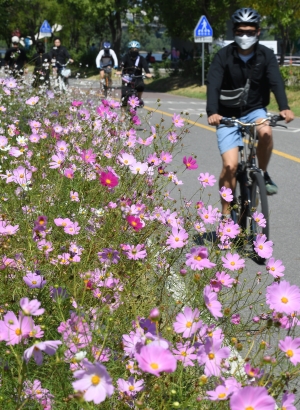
(15, 58)
(239, 82)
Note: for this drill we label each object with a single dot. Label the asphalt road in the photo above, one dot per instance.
(284, 169)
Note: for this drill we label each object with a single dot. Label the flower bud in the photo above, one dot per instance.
(154, 314)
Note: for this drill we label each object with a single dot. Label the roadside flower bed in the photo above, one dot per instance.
(112, 291)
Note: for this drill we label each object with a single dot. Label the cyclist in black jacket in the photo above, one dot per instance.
(239, 82)
(59, 55)
(15, 58)
(134, 63)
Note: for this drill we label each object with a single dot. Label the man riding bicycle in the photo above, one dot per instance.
(106, 58)
(59, 56)
(239, 82)
(134, 64)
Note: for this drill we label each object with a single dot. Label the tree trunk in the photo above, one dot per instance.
(115, 26)
(284, 37)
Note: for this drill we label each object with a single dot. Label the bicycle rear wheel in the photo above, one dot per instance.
(259, 203)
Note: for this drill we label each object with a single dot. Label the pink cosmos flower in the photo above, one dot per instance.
(220, 393)
(172, 137)
(287, 401)
(283, 297)
(255, 372)
(69, 173)
(275, 268)
(263, 247)
(133, 101)
(88, 156)
(126, 159)
(166, 157)
(155, 359)
(259, 219)
(197, 259)
(31, 307)
(135, 252)
(211, 302)
(190, 163)
(226, 194)
(206, 179)
(13, 329)
(209, 215)
(62, 221)
(225, 279)
(33, 280)
(76, 103)
(233, 262)
(148, 141)
(138, 168)
(74, 196)
(199, 226)
(211, 354)
(178, 239)
(235, 319)
(187, 322)
(177, 121)
(108, 179)
(135, 222)
(251, 397)
(57, 160)
(93, 381)
(32, 101)
(72, 228)
(291, 348)
(64, 259)
(131, 386)
(36, 350)
(185, 354)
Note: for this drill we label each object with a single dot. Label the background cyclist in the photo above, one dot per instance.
(105, 58)
(134, 63)
(59, 56)
(232, 66)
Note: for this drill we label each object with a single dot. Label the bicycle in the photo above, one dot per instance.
(107, 85)
(63, 73)
(129, 81)
(250, 193)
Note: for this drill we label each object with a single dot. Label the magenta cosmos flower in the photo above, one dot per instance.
(108, 179)
(206, 179)
(36, 350)
(190, 163)
(226, 194)
(275, 268)
(263, 247)
(177, 121)
(94, 381)
(135, 222)
(291, 348)
(197, 259)
(13, 329)
(211, 302)
(252, 398)
(233, 262)
(155, 359)
(187, 322)
(283, 297)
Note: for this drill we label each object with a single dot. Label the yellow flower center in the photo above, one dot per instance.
(34, 282)
(154, 366)
(272, 269)
(133, 223)
(232, 263)
(95, 380)
(131, 388)
(21, 175)
(249, 408)
(18, 332)
(108, 181)
(188, 164)
(198, 258)
(211, 356)
(261, 247)
(221, 395)
(289, 353)
(189, 324)
(176, 239)
(284, 300)
(184, 354)
(206, 216)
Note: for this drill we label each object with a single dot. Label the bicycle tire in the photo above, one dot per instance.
(259, 203)
(239, 211)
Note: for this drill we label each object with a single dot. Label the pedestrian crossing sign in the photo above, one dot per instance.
(203, 28)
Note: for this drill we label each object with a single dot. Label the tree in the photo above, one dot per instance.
(283, 18)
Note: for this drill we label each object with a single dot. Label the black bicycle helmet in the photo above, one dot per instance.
(245, 15)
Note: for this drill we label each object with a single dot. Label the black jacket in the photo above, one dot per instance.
(60, 54)
(128, 65)
(229, 72)
(15, 58)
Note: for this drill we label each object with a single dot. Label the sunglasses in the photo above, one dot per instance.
(248, 33)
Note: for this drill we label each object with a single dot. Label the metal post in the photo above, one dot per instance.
(46, 44)
(202, 63)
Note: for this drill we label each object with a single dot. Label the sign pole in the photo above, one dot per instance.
(46, 44)
(202, 63)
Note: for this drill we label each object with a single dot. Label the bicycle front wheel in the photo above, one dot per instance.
(259, 203)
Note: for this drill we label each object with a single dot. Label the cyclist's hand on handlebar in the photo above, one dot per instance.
(118, 72)
(71, 61)
(214, 119)
(148, 75)
(288, 115)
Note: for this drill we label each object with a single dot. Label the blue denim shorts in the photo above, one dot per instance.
(230, 137)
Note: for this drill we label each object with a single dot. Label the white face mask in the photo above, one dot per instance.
(245, 42)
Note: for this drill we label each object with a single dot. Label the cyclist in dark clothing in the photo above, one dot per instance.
(134, 64)
(42, 63)
(239, 82)
(59, 55)
(15, 58)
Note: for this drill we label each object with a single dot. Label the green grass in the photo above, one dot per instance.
(187, 87)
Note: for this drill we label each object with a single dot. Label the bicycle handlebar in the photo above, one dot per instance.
(273, 119)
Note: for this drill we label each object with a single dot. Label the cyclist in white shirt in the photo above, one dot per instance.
(106, 57)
